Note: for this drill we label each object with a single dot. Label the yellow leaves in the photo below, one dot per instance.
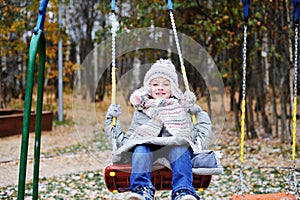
(225, 17)
(47, 65)
(52, 74)
(51, 52)
(70, 67)
(75, 66)
(225, 75)
(258, 23)
(20, 47)
(17, 26)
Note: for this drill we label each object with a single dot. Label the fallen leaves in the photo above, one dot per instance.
(266, 169)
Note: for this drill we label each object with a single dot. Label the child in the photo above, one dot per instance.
(161, 127)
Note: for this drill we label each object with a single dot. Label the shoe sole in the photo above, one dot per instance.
(188, 197)
(134, 196)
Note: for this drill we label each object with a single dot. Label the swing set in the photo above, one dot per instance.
(273, 196)
(116, 176)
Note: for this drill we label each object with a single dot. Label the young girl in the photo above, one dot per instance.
(161, 130)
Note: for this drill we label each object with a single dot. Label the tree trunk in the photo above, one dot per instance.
(260, 77)
(250, 115)
(283, 109)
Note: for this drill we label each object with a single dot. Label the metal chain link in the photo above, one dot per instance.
(114, 28)
(295, 183)
(296, 60)
(244, 63)
(176, 38)
(241, 186)
(185, 80)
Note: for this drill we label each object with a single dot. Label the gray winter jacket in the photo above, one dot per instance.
(124, 142)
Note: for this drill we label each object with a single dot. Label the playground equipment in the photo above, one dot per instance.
(11, 122)
(37, 45)
(117, 176)
(282, 195)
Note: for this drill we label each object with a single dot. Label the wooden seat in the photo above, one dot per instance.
(117, 177)
(274, 196)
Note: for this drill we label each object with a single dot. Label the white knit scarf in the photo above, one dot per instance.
(168, 113)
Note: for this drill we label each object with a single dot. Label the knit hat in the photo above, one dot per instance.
(165, 69)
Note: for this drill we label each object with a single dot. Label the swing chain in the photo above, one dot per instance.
(293, 184)
(295, 181)
(240, 186)
(244, 63)
(176, 38)
(296, 61)
(243, 95)
(293, 174)
(179, 51)
(114, 28)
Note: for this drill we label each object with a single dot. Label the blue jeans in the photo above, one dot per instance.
(180, 159)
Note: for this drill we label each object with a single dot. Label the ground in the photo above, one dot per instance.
(72, 167)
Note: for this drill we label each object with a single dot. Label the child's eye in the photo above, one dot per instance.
(154, 84)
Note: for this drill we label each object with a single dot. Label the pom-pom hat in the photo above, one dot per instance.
(165, 69)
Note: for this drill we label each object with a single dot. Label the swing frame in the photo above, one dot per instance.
(270, 196)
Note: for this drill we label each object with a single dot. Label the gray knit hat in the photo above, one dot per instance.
(166, 69)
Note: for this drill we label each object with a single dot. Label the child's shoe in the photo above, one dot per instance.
(185, 195)
(142, 193)
(134, 196)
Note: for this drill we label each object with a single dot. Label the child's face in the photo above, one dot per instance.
(160, 88)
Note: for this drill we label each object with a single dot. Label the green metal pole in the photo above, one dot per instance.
(27, 112)
(39, 109)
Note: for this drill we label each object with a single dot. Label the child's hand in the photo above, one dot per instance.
(114, 110)
(139, 98)
(189, 99)
(193, 110)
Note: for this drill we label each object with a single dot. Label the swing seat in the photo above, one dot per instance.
(117, 177)
(274, 196)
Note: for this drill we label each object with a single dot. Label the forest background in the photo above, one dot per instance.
(216, 25)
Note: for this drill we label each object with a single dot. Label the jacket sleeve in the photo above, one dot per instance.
(202, 130)
(114, 133)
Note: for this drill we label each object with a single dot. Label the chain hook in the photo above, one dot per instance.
(246, 9)
(296, 4)
(170, 5)
(41, 17)
(113, 5)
